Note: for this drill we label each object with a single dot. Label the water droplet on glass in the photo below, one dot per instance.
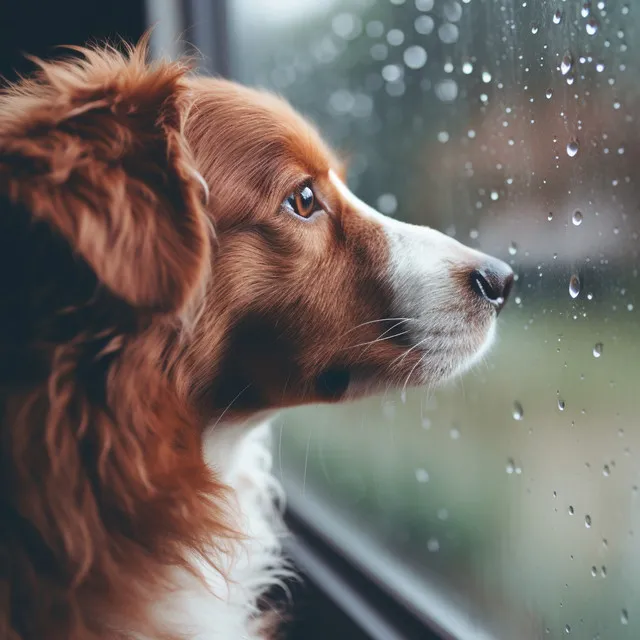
(600, 67)
(443, 136)
(597, 350)
(486, 76)
(518, 413)
(387, 203)
(391, 72)
(550, 216)
(346, 25)
(574, 286)
(415, 57)
(395, 37)
(606, 471)
(549, 93)
(557, 17)
(424, 25)
(452, 11)
(511, 466)
(467, 68)
(586, 9)
(567, 628)
(447, 90)
(587, 521)
(591, 27)
(625, 10)
(422, 475)
(603, 571)
(572, 148)
(561, 404)
(513, 249)
(571, 510)
(433, 545)
(576, 218)
(535, 28)
(624, 617)
(594, 571)
(566, 64)
(424, 5)
(448, 33)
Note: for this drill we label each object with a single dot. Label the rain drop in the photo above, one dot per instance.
(594, 571)
(592, 27)
(550, 216)
(422, 475)
(513, 249)
(448, 33)
(606, 471)
(572, 148)
(467, 68)
(424, 25)
(387, 203)
(549, 93)
(576, 218)
(574, 286)
(511, 466)
(535, 28)
(597, 350)
(567, 628)
(600, 67)
(433, 545)
(566, 64)
(586, 9)
(557, 17)
(415, 57)
(587, 521)
(518, 413)
(571, 510)
(561, 406)
(486, 77)
(624, 617)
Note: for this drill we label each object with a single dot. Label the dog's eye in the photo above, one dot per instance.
(302, 202)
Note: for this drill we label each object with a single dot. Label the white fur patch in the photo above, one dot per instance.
(228, 610)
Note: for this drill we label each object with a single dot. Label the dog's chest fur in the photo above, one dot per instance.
(228, 610)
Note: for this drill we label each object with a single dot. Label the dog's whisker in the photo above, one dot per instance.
(368, 322)
(229, 406)
(378, 339)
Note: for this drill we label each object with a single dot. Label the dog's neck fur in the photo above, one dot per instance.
(230, 609)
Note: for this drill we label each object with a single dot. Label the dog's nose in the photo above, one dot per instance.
(492, 281)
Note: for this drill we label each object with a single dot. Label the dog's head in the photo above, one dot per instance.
(173, 250)
(316, 296)
(304, 294)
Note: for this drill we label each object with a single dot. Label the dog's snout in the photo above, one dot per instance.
(492, 281)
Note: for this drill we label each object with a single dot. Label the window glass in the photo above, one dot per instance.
(505, 504)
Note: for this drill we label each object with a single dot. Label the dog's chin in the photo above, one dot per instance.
(359, 383)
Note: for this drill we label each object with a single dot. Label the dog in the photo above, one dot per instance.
(181, 257)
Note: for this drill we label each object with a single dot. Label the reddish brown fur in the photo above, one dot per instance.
(118, 345)
(104, 249)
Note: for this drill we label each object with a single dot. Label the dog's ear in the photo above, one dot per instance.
(93, 146)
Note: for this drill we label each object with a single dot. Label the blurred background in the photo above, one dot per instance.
(505, 505)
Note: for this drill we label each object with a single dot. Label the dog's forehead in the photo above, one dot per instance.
(259, 124)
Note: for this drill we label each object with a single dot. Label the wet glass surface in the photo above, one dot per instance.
(513, 126)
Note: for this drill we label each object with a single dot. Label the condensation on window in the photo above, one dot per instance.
(512, 494)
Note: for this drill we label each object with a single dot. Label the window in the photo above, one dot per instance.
(505, 505)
